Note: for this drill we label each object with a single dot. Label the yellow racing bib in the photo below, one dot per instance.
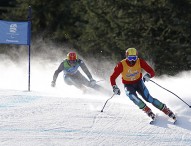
(131, 73)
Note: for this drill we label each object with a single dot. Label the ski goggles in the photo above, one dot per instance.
(132, 58)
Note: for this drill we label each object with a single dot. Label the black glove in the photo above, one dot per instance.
(116, 90)
(53, 84)
(146, 77)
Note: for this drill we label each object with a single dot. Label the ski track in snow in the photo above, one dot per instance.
(34, 118)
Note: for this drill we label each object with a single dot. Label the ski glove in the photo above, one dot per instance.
(116, 90)
(53, 84)
(92, 82)
(146, 77)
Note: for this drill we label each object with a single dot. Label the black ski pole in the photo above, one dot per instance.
(171, 92)
(106, 102)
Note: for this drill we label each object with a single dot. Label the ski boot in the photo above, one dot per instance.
(152, 115)
(148, 111)
(168, 112)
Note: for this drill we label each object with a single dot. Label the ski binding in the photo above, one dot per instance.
(153, 120)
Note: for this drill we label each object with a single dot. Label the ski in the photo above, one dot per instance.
(152, 122)
(175, 121)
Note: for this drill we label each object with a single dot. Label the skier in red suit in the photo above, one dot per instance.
(130, 70)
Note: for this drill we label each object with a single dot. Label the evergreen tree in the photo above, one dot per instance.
(159, 29)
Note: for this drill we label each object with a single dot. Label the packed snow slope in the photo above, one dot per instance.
(64, 116)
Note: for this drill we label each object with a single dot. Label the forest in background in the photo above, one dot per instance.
(159, 29)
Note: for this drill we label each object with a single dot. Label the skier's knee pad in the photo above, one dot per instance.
(137, 101)
(132, 97)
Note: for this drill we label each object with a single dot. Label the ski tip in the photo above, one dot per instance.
(175, 121)
(151, 122)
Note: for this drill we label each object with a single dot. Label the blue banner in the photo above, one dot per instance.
(14, 33)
